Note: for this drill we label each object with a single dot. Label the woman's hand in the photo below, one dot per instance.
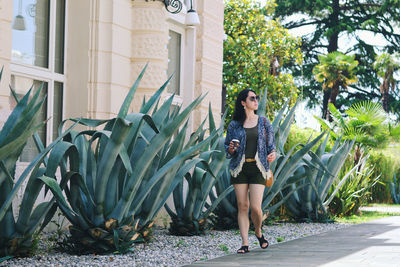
(271, 157)
(232, 148)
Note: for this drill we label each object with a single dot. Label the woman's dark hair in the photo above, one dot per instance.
(239, 114)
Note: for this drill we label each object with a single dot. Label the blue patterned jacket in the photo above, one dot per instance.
(236, 131)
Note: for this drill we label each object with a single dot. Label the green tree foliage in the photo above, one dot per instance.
(387, 65)
(328, 25)
(335, 71)
(255, 49)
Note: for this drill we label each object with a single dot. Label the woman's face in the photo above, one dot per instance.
(251, 102)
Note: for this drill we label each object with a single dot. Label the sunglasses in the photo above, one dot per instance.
(254, 98)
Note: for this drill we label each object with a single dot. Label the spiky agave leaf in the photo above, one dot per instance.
(394, 186)
(17, 236)
(193, 217)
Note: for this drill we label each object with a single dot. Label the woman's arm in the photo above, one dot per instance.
(228, 142)
(271, 149)
(270, 137)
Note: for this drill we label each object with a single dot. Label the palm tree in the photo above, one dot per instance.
(335, 71)
(386, 65)
(364, 121)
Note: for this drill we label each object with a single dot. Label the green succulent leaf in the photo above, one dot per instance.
(57, 192)
(128, 99)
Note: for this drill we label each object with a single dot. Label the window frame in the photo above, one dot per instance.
(49, 74)
(176, 23)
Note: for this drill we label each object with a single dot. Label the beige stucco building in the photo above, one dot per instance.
(88, 53)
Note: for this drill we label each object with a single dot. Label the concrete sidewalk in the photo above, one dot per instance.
(376, 243)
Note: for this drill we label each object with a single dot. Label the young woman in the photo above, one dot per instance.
(250, 154)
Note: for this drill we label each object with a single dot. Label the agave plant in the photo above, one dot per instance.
(310, 202)
(354, 191)
(286, 163)
(191, 216)
(122, 174)
(225, 214)
(16, 237)
(395, 189)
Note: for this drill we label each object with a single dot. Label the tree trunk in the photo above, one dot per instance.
(385, 100)
(332, 46)
(334, 94)
(334, 36)
(385, 87)
(332, 99)
(325, 101)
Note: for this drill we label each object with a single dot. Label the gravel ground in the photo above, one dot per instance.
(167, 250)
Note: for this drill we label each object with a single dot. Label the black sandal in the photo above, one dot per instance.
(245, 249)
(262, 241)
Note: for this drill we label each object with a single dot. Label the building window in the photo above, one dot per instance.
(30, 41)
(174, 61)
(176, 52)
(38, 44)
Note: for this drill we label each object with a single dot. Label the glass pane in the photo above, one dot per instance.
(30, 32)
(174, 62)
(60, 29)
(57, 107)
(21, 85)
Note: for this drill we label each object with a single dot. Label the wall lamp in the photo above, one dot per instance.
(175, 6)
(19, 21)
(192, 19)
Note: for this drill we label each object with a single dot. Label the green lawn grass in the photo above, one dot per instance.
(365, 216)
(383, 205)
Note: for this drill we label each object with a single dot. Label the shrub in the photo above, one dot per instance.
(355, 191)
(299, 135)
(385, 162)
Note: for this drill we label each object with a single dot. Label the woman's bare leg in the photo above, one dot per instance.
(256, 196)
(242, 197)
